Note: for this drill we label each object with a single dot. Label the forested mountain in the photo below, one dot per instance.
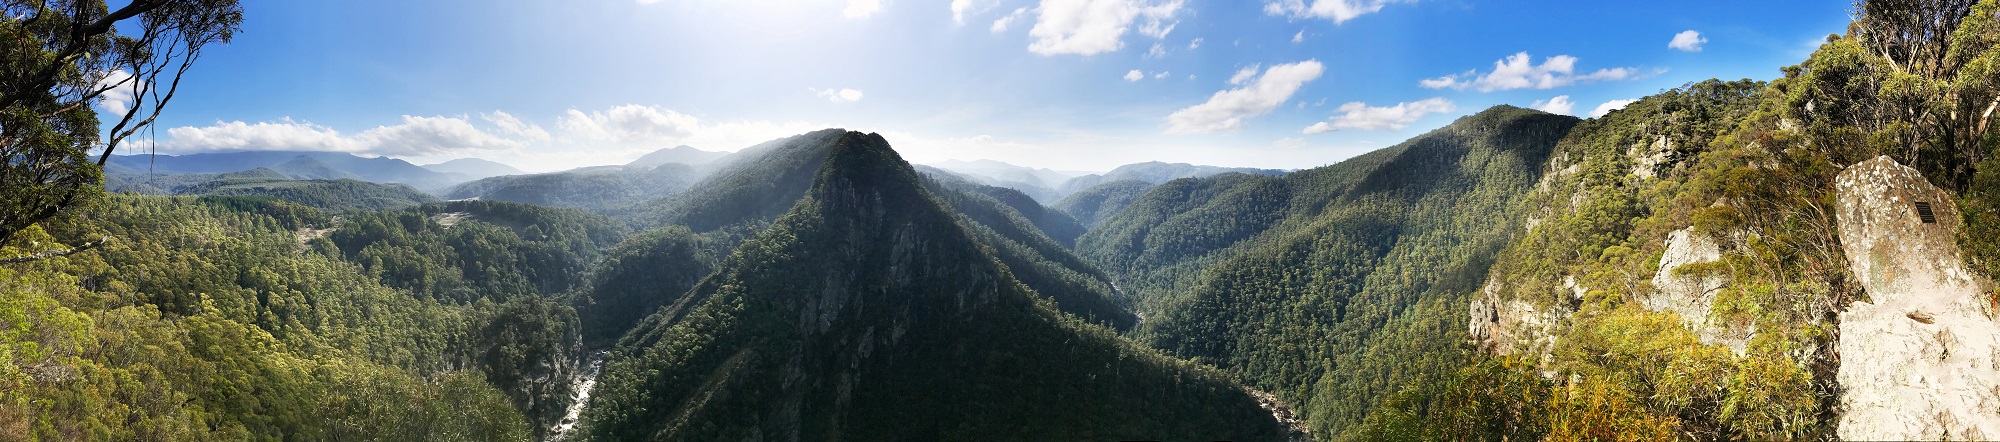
(745, 195)
(880, 306)
(1153, 172)
(605, 189)
(306, 168)
(335, 194)
(1091, 206)
(1329, 286)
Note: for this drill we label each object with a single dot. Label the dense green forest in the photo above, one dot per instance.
(328, 194)
(1095, 204)
(889, 321)
(217, 318)
(598, 189)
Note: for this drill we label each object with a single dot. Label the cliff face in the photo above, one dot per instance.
(1920, 358)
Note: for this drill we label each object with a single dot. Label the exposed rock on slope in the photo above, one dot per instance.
(1691, 294)
(1918, 359)
(1515, 326)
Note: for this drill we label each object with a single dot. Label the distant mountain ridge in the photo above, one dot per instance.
(1157, 173)
(682, 154)
(601, 189)
(474, 168)
(1049, 186)
(377, 169)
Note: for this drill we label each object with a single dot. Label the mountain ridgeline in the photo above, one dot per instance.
(886, 320)
(1331, 286)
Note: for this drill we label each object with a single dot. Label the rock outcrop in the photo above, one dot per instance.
(1692, 296)
(1517, 326)
(1920, 359)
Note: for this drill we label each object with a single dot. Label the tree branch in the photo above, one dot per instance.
(56, 253)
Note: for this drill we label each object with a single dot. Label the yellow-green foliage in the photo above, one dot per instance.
(264, 342)
(1751, 166)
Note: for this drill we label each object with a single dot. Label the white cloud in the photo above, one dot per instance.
(648, 2)
(1135, 75)
(1299, 37)
(1157, 29)
(958, 8)
(1290, 143)
(418, 135)
(1226, 109)
(1687, 41)
(119, 89)
(1359, 116)
(862, 8)
(1338, 10)
(1000, 25)
(1519, 71)
(511, 125)
(1608, 106)
(1244, 75)
(1558, 105)
(1089, 27)
(1453, 81)
(1158, 51)
(237, 135)
(1162, 74)
(842, 95)
(415, 136)
(1194, 44)
(631, 124)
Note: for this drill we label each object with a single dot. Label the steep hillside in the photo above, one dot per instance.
(1036, 259)
(747, 193)
(1750, 261)
(646, 272)
(231, 318)
(1093, 205)
(755, 186)
(1330, 286)
(869, 312)
(1057, 225)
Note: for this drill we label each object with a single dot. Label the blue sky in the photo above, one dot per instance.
(1066, 84)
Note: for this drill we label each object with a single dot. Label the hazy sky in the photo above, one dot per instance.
(547, 85)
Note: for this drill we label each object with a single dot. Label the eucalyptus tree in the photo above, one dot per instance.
(68, 67)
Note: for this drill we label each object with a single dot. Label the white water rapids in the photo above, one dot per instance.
(582, 387)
